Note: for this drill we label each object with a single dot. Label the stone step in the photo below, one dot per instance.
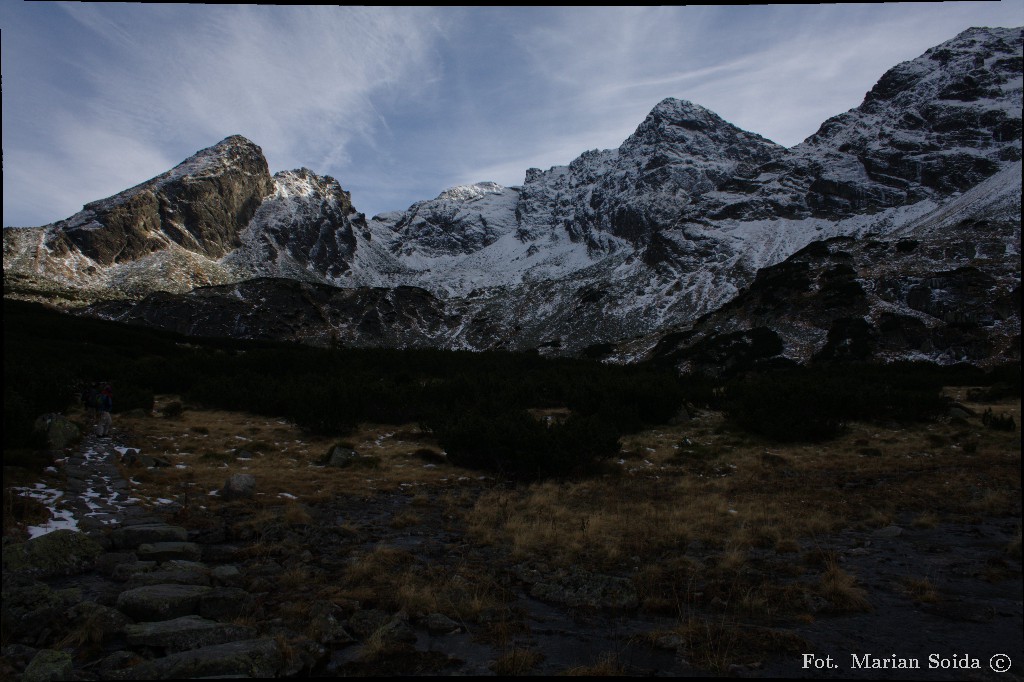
(168, 577)
(247, 658)
(166, 601)
(132, 536)
(168, 551)
(161, 602)
(185, 633)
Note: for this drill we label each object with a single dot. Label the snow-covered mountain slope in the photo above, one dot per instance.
(688, 214)
(944, 287)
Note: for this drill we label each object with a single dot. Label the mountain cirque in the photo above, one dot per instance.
(892, 232)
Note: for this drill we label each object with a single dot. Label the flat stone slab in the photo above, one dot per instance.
(130, 537)
(185, 633)
(168, 577)
(226, 603)
(249, 658)
(126, 570)
(168, 551)
(161, 602)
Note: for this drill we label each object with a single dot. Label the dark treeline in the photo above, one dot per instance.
(814, 403)
(475, 403)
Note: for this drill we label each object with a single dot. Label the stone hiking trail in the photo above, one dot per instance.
(146, 590)
(143, 598)
(161, 603)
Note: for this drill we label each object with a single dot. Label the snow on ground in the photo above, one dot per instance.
(60, 519)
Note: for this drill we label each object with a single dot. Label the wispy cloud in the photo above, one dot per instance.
(166, 81)
(400, 103)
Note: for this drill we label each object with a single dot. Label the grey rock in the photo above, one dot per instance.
(887, 533)
(586, 589)
(61, 552)
(365, 622)
(97, 618)
(260, 658)
(239, 486)
(186, 632)
(340, 456)
(168, 577)
(440, 624)
(130, 537)
(168, 551)
(226, 603)
(227, 575)
(161, 602)
(48, 665)
(109, 666)
(126, 570)
(60, 432)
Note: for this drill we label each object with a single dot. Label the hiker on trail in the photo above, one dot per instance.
(90, 398)
(104, 403)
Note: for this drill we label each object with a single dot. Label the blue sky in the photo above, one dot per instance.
(399, 104)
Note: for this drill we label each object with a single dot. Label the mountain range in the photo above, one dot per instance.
(891, 233)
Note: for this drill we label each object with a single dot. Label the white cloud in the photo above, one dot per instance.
(400, 103)
(300, 82)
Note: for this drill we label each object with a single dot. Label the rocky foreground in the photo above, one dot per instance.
(406, 567)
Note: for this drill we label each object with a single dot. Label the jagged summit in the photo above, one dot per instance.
(624, 243)
(201, 204)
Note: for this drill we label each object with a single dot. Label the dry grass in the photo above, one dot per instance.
(841, 589)
(703, 519)
(698, 482)
(205, 447)
(716, 644)
(517, 661)
(607, 666)
(921, 590)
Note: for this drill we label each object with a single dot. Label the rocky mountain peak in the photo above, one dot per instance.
(687, 128)
(620, 243)
(201, 205)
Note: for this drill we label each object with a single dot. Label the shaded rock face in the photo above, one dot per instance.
(460, 220)
(942, 122)
(281, 309)
(853, 300)
(202, 204)
(679, 153)
(306, 226)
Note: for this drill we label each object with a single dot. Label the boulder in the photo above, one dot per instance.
(59, 431)
(31, 611)
(161, 602)
(48, 665)
(97, 618)
(340, 456)
(580, 588)
(186, 632)
(227, 575)
(239, 486)
(168, 577)
(126, 570)
(248, 658)
(167, 551)
(61, 552)
(225, 603)
(130, 537)
(440, 624)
